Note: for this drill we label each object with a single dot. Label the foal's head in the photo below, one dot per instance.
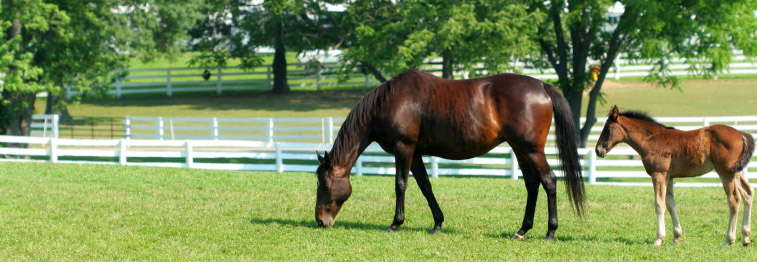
(612, 134)
(333, 189)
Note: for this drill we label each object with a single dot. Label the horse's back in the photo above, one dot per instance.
(466, 118)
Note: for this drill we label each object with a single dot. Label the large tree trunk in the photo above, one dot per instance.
(54, 106)
(447, 72)
(280, 85)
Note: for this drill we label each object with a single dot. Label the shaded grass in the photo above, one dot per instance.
(85, 212)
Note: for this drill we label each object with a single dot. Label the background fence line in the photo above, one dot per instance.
(186, 79)
(300, 157)
(313, 130)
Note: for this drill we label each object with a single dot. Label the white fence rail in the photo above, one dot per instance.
(184, 79)
(313, 130)
(284, 157)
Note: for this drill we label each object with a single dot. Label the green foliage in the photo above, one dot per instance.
(399, 36)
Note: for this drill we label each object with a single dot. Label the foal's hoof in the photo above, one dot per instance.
(745, 241)
(658, 242)
(517, 237)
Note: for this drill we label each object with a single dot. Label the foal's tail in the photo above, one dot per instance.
(566, 146)
(746, 153)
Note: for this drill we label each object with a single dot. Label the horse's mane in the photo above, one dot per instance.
(644, 116)
(359, 119)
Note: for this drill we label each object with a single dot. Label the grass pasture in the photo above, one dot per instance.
(99, 212)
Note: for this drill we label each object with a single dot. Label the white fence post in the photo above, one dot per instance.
(168, 82)
(434, 167)
(53, 150)
(617, 69)
(269, 130)
(160, 128)
(318, 78)
(513, 165)
(56, 126)
(118, 87)
(122, 152)
(592, 167)
(127, 128)
(279, 160)
(367, 82)
(705, 122)
(359, 167)
(219, 85)
(330, 123)
(214, 133)
(189, 154)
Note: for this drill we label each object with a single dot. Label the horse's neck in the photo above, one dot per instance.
(638, 134)
(348, 146)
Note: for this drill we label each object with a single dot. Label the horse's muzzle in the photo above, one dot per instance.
(601, 151)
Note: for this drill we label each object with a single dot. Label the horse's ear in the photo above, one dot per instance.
(614, 113)
(320, 158)
(323, 159)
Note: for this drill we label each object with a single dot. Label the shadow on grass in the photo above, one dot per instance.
(339, 224)
(531, 236)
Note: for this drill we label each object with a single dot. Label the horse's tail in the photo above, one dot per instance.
(567, 149)
(746, 152)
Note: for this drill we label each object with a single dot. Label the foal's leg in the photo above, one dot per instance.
(733, 196)
(403, 157)
(659, 181)
(747, 193)
(421, 177)
(671, 204)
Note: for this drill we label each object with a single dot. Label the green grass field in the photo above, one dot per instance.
(92, 212)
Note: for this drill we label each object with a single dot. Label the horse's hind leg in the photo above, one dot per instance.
(731, 187)
(421, 177)
(747, 193)
(536, 171)
(671, 204)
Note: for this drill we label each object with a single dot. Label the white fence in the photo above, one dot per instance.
(177, 80)
(284, 157)
(313, 130)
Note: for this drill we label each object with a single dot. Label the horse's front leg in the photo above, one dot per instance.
(421, 177)
(659, 182)
(403, 157)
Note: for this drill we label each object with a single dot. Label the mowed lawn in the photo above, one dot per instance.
(96, 212)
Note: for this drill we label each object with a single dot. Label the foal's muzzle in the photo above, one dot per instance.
(601, 151)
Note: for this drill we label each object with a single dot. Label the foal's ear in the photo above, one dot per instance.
(614, 113)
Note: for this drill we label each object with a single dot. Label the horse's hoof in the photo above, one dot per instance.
(390, 230)
(517, 237)
(675, 241)
(658, 242)
(745, 241)
(550, 239)
(435, 231)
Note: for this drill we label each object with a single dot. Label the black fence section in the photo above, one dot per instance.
(86, 127)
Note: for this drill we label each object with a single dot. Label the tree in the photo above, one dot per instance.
(78, 43)
(701, 33)
(235, 29)
(395, 37)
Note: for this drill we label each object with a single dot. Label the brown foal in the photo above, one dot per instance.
(668, 153)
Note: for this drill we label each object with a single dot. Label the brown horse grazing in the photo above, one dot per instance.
(417, 114)
(668, 153)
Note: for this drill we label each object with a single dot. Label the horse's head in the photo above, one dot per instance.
(612, 134)
(333, 189)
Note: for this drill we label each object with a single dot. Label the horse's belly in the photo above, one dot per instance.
(461, 150)
(694, 170)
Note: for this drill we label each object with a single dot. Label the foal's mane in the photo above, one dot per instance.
(645, 117)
